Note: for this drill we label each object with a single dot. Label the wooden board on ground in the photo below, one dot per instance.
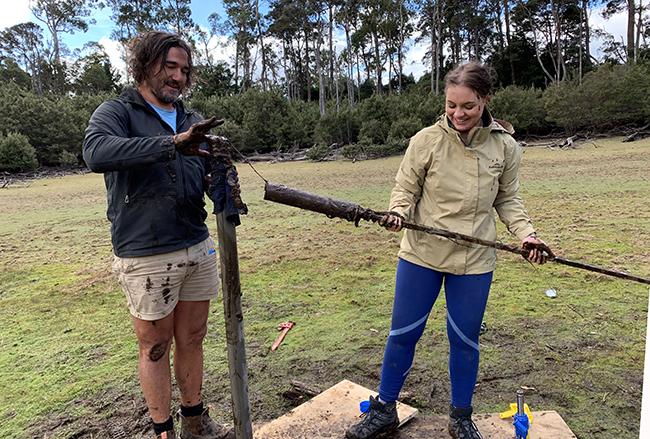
(330, 413)
(327, 415)
(546, 425)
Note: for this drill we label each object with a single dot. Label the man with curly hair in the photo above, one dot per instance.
(151, 150)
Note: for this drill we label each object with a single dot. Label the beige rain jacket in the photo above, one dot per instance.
(446, 184)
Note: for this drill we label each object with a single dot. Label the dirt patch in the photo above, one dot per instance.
(110, 414)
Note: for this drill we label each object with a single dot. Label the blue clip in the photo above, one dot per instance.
(211, 251)
(364, 406)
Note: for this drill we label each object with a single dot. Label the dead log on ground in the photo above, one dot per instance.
(640, 134)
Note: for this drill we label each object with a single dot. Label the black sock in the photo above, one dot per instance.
(195, 410)
(168, 425)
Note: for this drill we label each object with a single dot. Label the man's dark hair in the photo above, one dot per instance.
(149, 48)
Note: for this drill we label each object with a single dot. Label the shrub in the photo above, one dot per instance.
(610, 96)
(402, 130)
(374, 131)
(429, 109)
(16, 153)
(317, 152)
(297, 129)
(353, 151)
(263, 116)
(232, 132)
(341, 127)
(522, 107)
(364, 150)
(68, 159)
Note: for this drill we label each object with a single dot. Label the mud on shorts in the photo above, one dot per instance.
(153, 285)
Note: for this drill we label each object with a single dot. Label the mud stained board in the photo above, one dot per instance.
(546, 425)
(327, 415)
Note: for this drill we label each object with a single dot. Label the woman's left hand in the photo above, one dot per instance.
(539, 252)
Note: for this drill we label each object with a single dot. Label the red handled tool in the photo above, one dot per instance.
(284, 327)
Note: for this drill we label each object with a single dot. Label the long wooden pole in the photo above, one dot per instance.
(234, 317)
(353, 212)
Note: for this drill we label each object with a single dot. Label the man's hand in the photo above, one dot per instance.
(538, 251)
(189, 142)
(391, 221)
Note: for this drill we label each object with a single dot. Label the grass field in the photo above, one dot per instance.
(68, 354)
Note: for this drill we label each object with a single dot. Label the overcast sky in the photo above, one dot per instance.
(19, 12)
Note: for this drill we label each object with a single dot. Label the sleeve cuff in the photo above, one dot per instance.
(524, 233)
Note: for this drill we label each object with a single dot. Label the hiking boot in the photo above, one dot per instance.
(379, 421)
(171, 434)
(203, 427)
(461, 425)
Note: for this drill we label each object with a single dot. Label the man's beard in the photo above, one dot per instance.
(166, 97)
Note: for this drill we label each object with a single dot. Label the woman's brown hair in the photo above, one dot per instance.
(150, 48)
(474, 75)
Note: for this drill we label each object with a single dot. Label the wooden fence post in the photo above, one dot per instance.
(234, 317)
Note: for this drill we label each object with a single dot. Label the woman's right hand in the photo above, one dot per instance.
(392, 222)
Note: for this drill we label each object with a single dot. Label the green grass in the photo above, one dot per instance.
(68, 354)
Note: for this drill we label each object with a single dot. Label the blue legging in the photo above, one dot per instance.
(416, 290)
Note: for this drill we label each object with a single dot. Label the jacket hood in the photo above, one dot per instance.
(133, 96)
(478, 135)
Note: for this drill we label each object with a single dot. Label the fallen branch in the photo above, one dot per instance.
(640, 134)
(355, 213)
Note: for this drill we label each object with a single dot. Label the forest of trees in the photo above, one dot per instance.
(317, 72)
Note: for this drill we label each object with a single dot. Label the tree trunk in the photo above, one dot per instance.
(307, 72)
(587, 34)
(506, 16)
(433, 49)
(319, 68)
(631, 15)
(378, 68)
(638, 31)
(438, 44)
(331, 45)
(287, 74)
(350, 69)
(260, 39)
(401, 45)
(499, 27)
(359, 78)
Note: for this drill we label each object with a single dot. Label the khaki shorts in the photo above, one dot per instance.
(153, 285)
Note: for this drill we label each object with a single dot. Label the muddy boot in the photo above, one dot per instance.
(202, 427)
(171, 434)
(379, 421)
(461, 425)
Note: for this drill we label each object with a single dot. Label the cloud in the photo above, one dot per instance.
(115, 54)
(17, 13)
(615, 25)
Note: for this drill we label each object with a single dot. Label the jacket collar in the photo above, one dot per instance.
(477, 135)
(133, 96)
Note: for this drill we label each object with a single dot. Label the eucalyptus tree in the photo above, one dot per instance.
(554, 27)
(135, 16)
(63, 16)
(94, 72)
(429, 26)
(10, 71)
(177, 17)
(371, 15)
(635, 22)
(348, 17)
(299, 26)
(24, 44)
(241, 23)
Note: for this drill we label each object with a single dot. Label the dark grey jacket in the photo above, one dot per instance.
(155, 196)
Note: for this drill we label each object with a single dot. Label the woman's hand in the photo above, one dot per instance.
(392, 222)
(539, 252)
